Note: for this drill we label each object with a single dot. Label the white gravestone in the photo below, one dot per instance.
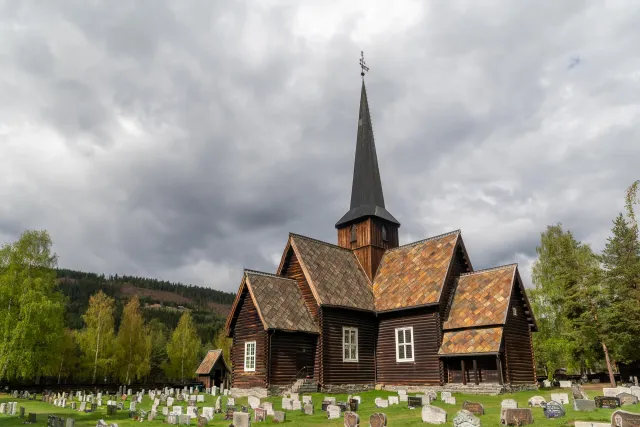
(433, 415)
(450, 400)
(165, 411)
(509, 404)
(635, 391)
(402, 395)
(546, 383)
(331, 400)
(381, 403)
(565, 384)
(192, 411)
(393, 400)
(358, 399)
(610, 392)
(177, 410)
(591, 424)
(465, 418)
(231, 401)
(333, 412)
(562, 398)
(296, 405)
(200, 398)
(306, 399)
(444, 395)
(624, 390)
(268, 406)
(254, 402)
(207, 412)
(287, 404)
(169, 401)
(537, 401)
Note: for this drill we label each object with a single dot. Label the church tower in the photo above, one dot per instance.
(367, 228)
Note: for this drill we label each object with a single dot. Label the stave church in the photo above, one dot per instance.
(369, 312)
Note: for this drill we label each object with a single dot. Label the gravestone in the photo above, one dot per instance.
(378, 420)
(192, 411)
(627, 399)
(402, 395)
(450, 400)
(268, 406)
(578, 392)
(509, 404)
(381, 403)
(562, 398)
(331, 400)
(465, 418)
(111, 409)
(259, 415)
(623, 390)
(184, 419)
(433, 415)
(83, 406)
(358, 398)
(31, 419)
(279, 416)
(333, 412)
(516, 416)
(625, 419)
(152, 415)
(241, 419)
(610, 392)
(546, 383)
(296, 405)
(70, 422)
(229, 413)
(565, 384)
(231, 401)
(170, 401)
(218, 405)
(132, 406)
(584, 405)
(172, 419)
(308, 408)
(200, 398)
(22, 412)
(412, 402)
(553, 409)
(177, 410)
(607, 402)
(287, 404)
(591, 424)
(537, 401)
(394, 400)
(473, 407)
(306, 399)
(165, 411)
(354, 404)
(351, 419)
(444, 395)
(207, 412)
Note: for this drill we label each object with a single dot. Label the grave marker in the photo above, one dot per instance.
(279, 416)
(465, 418)
(607, 402)
(537, 401)
(473, 407)
(381, 403)
(351, 419)
(333, 412)
(562, 398)
(625, 419)
(433, 415)
(627, 399)
(268, 406)
(516, 416)
(554, 410)
(308, 408)
(378, 420)
(259, 415)
(584, 405)
(509, 404)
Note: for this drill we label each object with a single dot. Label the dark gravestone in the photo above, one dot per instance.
(625, 419)
(94, 407)
(344, 406)
(473, 407)
(607, 402)
(353, 405)
(378, 420)
(325, 403)
(627, 399)
(259, 415)
(22, 412)
(202, 421)
(553, 409)
(414, 401)
(32, 418)
(112, 409)
(516, 416)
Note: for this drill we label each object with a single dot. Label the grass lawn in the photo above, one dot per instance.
(397, 415)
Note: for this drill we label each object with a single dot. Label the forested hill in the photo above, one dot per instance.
(161, 299)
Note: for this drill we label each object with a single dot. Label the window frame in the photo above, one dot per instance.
(247, 357)
(514, 310)
(385, 237)
(405, 344)
(353, 233)
(350, 344)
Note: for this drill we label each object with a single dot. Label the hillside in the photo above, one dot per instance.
(161, 299)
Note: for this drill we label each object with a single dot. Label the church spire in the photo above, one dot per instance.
(366, 190)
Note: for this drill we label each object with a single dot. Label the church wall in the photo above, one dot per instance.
(425, 369)
(248, 327)
(520, 366)
(335, 370)
(290, 353)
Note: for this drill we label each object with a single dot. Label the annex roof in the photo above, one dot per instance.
(482, 298)
(414, 274)
(209, 362)
(335, 275)
(471, 341)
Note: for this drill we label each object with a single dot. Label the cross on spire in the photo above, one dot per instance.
(363, 65)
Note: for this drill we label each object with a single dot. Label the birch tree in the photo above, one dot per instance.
(133, 344)
(182, 349)
(96, 340)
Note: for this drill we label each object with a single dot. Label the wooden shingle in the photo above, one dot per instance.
(471, 341)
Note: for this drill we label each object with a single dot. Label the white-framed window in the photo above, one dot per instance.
(250, 356)
(404, 344)
(349, 344)
(515, 311)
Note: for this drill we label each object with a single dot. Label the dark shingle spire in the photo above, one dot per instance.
(366, 191)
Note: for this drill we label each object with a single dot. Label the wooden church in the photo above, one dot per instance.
(370, 311)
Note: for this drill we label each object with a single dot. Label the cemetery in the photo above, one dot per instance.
(376, 408)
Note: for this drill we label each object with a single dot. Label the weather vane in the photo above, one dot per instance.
(363, 65)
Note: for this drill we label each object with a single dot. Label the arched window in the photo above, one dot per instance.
(384, 233)
(354, 235)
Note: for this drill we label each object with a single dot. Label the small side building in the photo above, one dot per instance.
(213, 370)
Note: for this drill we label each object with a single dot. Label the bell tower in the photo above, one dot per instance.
(367, 228)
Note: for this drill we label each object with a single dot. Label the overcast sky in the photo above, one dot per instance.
(183, 140)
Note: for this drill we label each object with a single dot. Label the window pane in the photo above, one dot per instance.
(400, 337)
(409, 351)
(401, 352)
(353, 337)
(345, 335)
(353, 353)
(407, 334)
(346, 352)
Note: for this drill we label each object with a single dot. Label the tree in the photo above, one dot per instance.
(31, 307)
(158, 333)
(64, 359)
(183, 349)
(562, 275)
(133, 344)
(221, 341)
(96, 340)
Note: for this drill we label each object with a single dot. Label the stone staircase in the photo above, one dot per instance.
(305, 386)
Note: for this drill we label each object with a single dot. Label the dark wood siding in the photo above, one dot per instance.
(426, 330)
(293, 270)
(487, 369)
(517, 340)
(335, 370)
(290, 353)
(458, 267)
(248, 327)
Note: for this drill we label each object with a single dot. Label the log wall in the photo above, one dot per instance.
(519, 360)
(290, 353)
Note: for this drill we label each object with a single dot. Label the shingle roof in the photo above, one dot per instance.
(279, 302)
(481, 298)
(334, 273)
(471, 341)
(207, 363)
(414, 274)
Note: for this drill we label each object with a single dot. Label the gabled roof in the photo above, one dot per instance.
(335, 275)
(278, 301)
(414, 274)
(366, 191)
(482, 298)
(209, 362)
(471, 341)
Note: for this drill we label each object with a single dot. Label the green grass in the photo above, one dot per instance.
(397, 415)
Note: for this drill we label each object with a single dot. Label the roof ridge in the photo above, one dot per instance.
(439, 236)
(500, 267)
(319, 241)
(262, 273)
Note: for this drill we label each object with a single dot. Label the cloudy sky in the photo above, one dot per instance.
(183, 140)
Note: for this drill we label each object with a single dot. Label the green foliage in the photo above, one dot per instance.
(97, 339)
(133, 345)
(158, 332)
(220, 341)
(31, 308)
(183, 350)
